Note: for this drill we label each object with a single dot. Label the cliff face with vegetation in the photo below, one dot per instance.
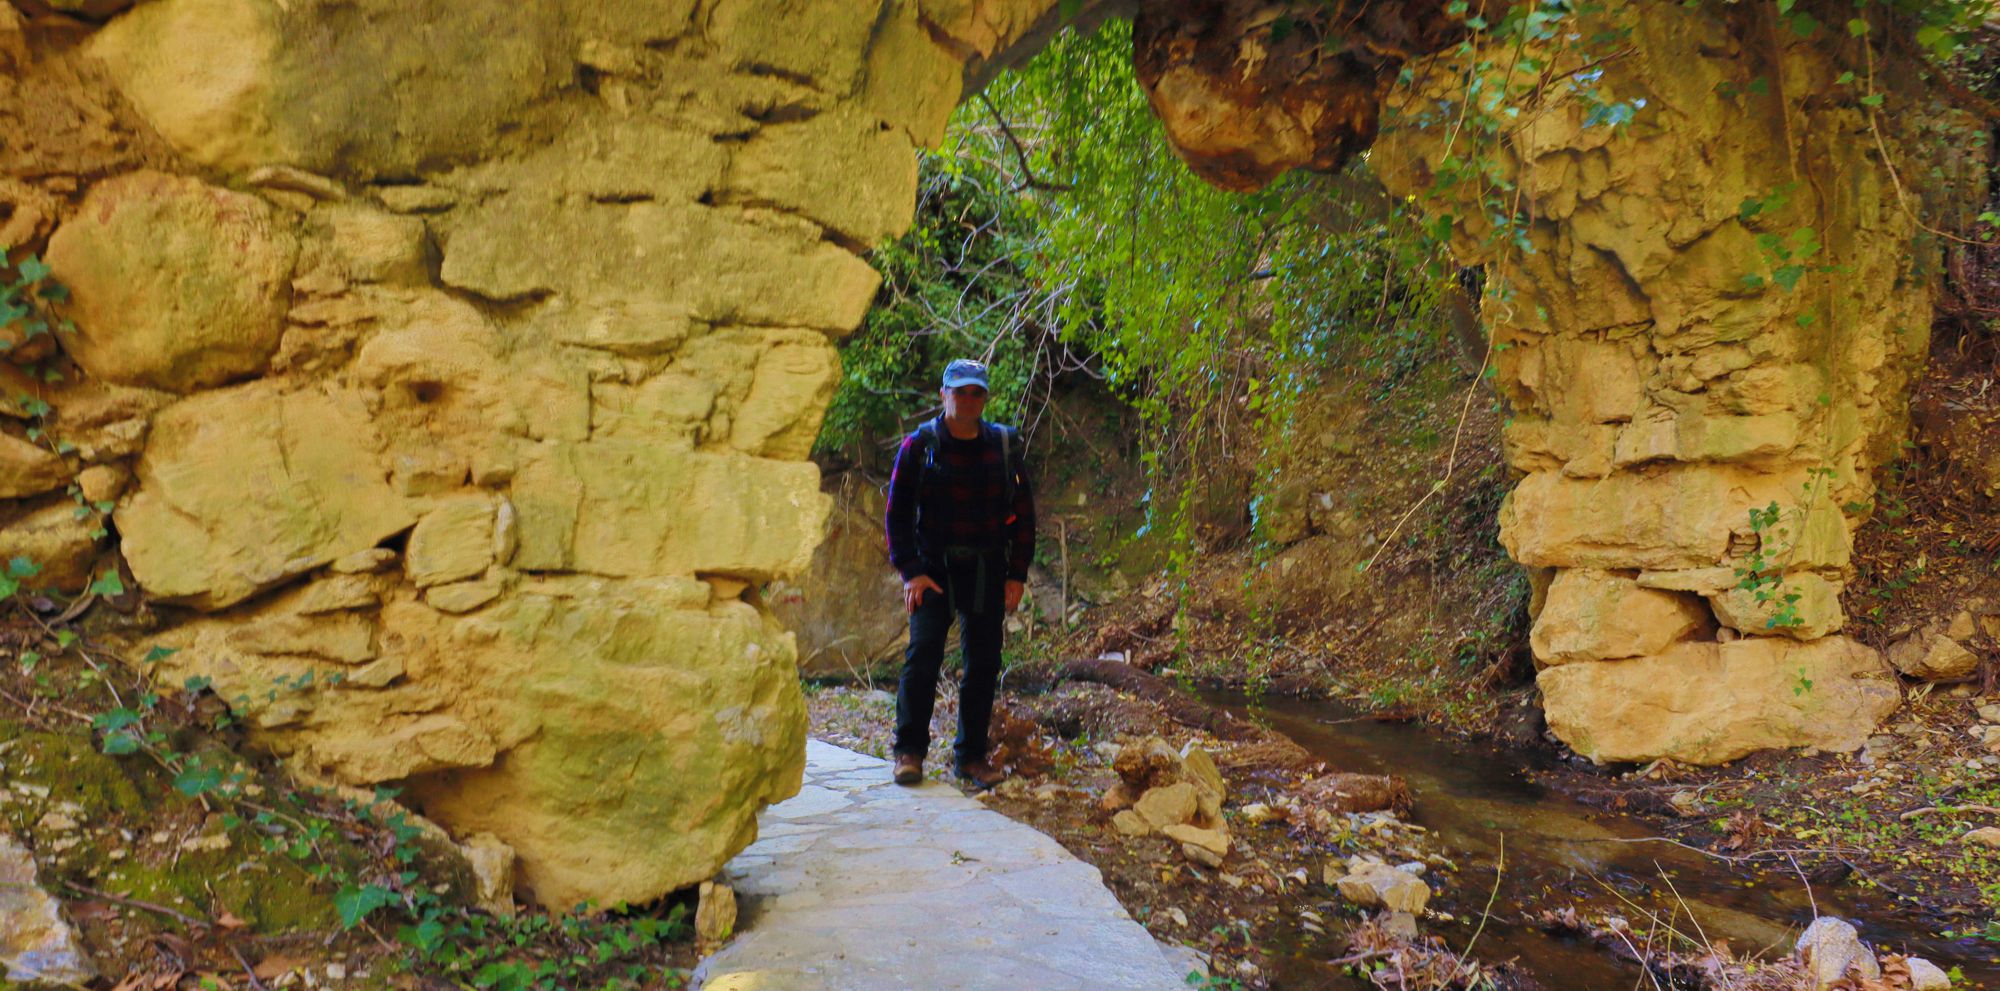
(1707, 293)
(447, 372)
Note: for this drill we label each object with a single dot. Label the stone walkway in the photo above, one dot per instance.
(860, 885)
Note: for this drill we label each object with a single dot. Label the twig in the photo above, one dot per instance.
(1810, 900)
(1948, 810)
(1499, 870)
(182, 917)
(255, 982)
(1028, 180)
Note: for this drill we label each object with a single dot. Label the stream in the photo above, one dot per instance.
(1559, 853)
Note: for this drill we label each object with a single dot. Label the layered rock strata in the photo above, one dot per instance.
(1705, 322)
(447, 373)
(1706, 299)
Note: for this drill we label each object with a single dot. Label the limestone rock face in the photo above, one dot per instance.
(49, 533)
(175, 284)
(1596, 615)
(1706, 703)
(1688, 403)
(1243, 103)
(28, 469)
(1814, 608)
(466, 396)
(511, 720)
(243, 488)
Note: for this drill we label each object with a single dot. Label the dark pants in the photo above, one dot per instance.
(979, 619)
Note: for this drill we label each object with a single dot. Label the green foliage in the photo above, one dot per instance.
(1209, 311)
(24, 299)
(957, 285)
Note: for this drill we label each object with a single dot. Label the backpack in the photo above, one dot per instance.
(1010, 457)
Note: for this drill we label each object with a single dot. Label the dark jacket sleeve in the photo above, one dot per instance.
(1021, 542)
(901, 519)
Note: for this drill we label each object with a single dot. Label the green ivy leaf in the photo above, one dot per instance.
(197, 780)
(107, 584)
(158, 654)
(1872, 100)
(357, 902)
(1856, 27)
(21, 567)
(120, 744)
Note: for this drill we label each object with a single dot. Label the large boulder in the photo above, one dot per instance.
(174, 284)
(619, 735)
(1597, 615)
(1706, 703)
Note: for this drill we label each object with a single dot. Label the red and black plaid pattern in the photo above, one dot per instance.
(965, 504)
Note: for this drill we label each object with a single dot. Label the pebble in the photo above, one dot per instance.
(1990, 713)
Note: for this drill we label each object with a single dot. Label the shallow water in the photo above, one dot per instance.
(1560, 852)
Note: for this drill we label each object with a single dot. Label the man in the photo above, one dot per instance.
(961, 528)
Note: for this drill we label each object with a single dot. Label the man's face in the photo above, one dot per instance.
(963, 403)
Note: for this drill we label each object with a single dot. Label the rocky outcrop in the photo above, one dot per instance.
(451, 369)
(1705, 703)
(1707, 348)
(1249, 90)
(1706, 297)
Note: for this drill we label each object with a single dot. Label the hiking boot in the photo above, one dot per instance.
(909, 769)
(981, 774)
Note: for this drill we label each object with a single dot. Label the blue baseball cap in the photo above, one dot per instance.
(965, 372)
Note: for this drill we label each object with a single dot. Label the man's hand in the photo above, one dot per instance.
(1014, 590)
(913, 591)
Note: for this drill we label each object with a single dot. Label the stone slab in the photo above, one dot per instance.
(860, 883)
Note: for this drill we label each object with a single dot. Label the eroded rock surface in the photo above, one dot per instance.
(36, 944)
(1707, 352)
(450, 371)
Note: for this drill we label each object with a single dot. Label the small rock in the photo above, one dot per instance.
(1334, 870)
(1831, 947)
(361, 562)
(1925, 975)
(55, 822)
(1987, 713)
(1130, 823)
(1257, 814)
(492, 862)
(715, 913)
(1199, 767)
(336, 972)
(1988, 836)
(1201, 855)
(35, 943)
(1213, 840)
(1961, 626)
(213, 841)
(1371, 885)
(1400, 924)
(1173, 804)
(1117, 797)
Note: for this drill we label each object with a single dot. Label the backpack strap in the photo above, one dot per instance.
(1010, 462)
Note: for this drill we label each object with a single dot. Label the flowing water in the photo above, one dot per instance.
(1560, 852)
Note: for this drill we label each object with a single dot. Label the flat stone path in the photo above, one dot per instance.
(858, 884)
